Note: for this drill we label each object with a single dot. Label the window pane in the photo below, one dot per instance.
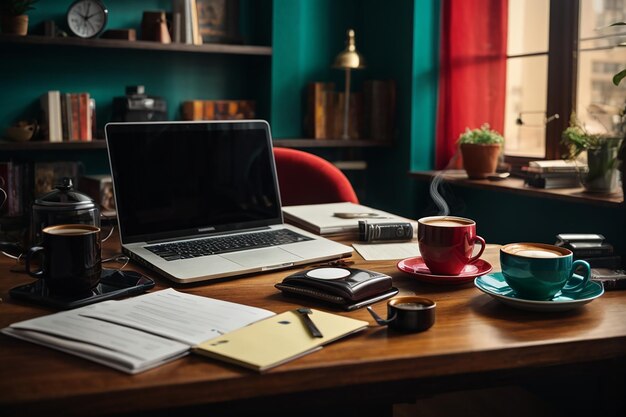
(595, 18)
(598, 99)
(528, 26)
(524, 117)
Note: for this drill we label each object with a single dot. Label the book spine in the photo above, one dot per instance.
(64, 125)
(192, 110)
(57, 125)
(195, 30)
(83, 111)
(75, 117)
(321, 99)
(208, 109)
(51, 116)
(92, 119)
(379, 109)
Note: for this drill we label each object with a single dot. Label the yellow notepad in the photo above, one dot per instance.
(278, 339)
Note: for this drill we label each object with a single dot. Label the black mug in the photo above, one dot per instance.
(408, 314)
(72, 261)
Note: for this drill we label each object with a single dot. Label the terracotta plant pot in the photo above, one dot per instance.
(14, 25)
(480, 160)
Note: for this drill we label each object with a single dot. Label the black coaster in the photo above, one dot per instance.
(113, 284)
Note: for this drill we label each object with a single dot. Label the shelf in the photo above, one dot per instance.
(516, 186)
(50, 146)
(213, 48)
(101, 144)
(331, 143)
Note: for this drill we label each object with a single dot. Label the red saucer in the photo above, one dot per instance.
(416, 267)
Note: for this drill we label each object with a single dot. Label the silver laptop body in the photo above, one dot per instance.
(181, 183)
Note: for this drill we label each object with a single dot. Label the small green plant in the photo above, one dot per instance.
(484, 136)
(601, 148)
(16, 7)
(577, 139)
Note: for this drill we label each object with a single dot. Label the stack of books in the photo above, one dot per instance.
(67, 116)
(554, 174)
(218, 109)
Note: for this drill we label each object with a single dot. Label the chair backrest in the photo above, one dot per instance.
(305, 178)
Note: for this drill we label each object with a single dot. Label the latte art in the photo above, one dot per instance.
(534, 250)
(538, 253)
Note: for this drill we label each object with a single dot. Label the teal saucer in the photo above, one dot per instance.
(495, 286)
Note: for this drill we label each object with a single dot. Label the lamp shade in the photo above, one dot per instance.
(349, 57)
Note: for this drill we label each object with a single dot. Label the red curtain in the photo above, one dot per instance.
(472, 78)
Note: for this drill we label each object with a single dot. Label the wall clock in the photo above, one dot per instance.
(87, 18)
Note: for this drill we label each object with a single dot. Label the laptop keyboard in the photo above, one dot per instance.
(225, 244)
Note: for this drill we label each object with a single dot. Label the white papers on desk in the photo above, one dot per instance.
(187, 318)
(139, 333)
(387, 251)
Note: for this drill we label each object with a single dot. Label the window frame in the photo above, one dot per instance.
(562, 76)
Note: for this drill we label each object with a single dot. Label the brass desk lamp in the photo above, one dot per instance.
(348, 59)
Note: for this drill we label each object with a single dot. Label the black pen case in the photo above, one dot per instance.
(349, 287)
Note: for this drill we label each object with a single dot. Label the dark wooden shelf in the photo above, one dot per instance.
(48, 146)
(517, 186)
(212, 48)
(101, 144)
(331, 143)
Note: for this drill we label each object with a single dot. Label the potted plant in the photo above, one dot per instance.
(13, 17)
(480, 149)
(602, 151)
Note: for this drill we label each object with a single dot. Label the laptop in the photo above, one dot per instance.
(199, 201)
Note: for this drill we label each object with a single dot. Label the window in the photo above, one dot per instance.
(561, 56)
(526, 77)
(599, 100)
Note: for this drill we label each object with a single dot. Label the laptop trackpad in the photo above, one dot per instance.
(262, 257)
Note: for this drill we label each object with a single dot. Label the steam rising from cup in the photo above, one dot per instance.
(440, 202)
(438, 199)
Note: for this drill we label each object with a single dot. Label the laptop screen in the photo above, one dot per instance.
(177, 179)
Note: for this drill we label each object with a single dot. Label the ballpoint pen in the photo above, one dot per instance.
(304, 313)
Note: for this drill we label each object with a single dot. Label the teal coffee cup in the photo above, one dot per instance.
(536, 271)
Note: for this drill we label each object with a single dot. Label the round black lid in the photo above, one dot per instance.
(65, 197)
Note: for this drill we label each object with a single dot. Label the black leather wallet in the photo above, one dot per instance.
(349, 288)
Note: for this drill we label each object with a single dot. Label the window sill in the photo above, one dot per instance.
(516, 186)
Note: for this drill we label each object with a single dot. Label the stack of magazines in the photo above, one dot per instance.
(554, 174)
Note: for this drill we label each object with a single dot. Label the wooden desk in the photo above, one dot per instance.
(475, 341)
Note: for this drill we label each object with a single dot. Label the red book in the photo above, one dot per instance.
(85, 117)
(75, 117)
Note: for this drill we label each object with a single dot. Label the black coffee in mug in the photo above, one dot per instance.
(71, 261)
(408, 314)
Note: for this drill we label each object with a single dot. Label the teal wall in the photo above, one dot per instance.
(409, 49)
(104, 73)
(398, 41)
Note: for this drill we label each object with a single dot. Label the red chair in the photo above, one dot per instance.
(305, 178)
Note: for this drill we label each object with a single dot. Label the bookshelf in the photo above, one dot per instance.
(285, 45)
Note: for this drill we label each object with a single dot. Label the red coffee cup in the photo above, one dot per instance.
(447, 243)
